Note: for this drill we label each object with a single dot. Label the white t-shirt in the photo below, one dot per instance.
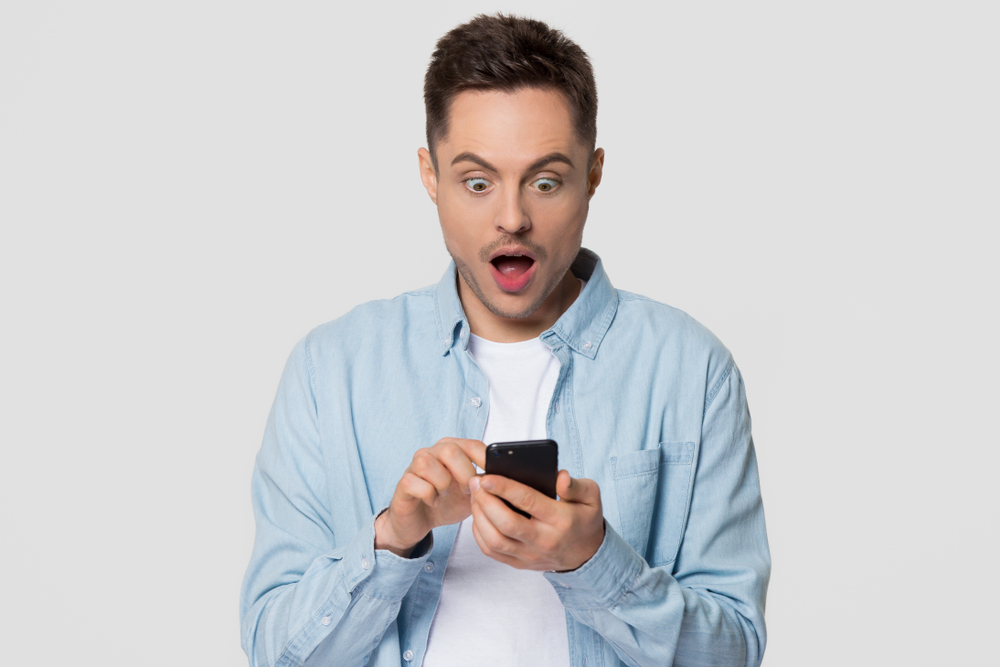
(491, 613)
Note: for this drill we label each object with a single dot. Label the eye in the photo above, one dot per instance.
(546, 184)
(477, 184)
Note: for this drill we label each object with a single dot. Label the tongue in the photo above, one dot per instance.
(512, 267)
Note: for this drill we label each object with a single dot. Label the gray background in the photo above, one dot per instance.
(187, 188)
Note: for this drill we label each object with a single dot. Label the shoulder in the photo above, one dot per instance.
(410, 313)
(649, 324)
(667, 322)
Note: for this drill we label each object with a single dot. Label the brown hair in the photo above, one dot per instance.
(507, 53)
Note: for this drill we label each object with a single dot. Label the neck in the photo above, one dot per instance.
(486, 324)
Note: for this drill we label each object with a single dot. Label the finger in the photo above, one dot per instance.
(487, 551)
(493, 538)
(499, 557)
(474, 449)
(504, 519)
(585, 491)
(427, 466)
(564, 485)
(454, 458)
(415, 487)
(522, 496)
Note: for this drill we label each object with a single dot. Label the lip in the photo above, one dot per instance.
(512, 285)
(512, 250)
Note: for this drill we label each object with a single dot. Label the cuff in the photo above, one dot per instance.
(602, 580)
(379, 573)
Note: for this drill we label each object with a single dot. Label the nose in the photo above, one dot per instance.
(512, 216)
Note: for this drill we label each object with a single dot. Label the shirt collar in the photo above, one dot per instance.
(582, 327)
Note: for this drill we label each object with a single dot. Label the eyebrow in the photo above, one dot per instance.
(537, 164)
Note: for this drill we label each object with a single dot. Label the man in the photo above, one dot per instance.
(377, 542)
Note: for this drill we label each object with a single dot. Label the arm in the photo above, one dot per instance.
(707, 607)
(308, 592)
(704, 608)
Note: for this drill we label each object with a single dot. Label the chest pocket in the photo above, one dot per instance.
(653, 489)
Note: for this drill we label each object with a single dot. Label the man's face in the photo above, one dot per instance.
(513, 188)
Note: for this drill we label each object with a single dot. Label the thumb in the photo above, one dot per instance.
(572, 490)
(567, 487)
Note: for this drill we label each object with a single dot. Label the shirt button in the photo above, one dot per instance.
(364, 563)
(325, 620)
(429, 567)
(476, 401)
(408, 655)
(587, 345)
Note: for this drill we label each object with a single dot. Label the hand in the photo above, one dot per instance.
(434, 491)
(561, 535)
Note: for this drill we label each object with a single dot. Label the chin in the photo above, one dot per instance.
(519, 306)
(515, 312)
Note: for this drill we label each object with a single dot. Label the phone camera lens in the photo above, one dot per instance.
(496, 453)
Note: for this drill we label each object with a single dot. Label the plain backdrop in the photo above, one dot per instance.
(187, 188)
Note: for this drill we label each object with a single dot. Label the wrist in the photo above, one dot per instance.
(386, 539)
(591, 551)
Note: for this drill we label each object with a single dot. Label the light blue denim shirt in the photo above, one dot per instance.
(648, 403)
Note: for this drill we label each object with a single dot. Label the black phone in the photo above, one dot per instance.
(531, 462)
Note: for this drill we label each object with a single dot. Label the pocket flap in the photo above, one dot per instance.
(631, 464)
(677, 453)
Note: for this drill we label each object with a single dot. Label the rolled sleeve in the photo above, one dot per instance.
(390, 576)
(603, 580)
(705, 607)
(307, 597)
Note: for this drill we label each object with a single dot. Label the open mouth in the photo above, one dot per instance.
(512, 268)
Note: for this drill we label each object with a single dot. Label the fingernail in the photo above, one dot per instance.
(473, 484)
(488, 484)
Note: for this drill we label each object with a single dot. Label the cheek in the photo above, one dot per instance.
(459, 222)
(561, 220)
(454, 204)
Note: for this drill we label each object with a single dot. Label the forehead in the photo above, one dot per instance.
(524, 123)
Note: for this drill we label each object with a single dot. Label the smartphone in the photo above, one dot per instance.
(530, 462)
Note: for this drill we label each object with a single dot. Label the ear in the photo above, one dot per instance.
(428, 175)
(596, 171)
